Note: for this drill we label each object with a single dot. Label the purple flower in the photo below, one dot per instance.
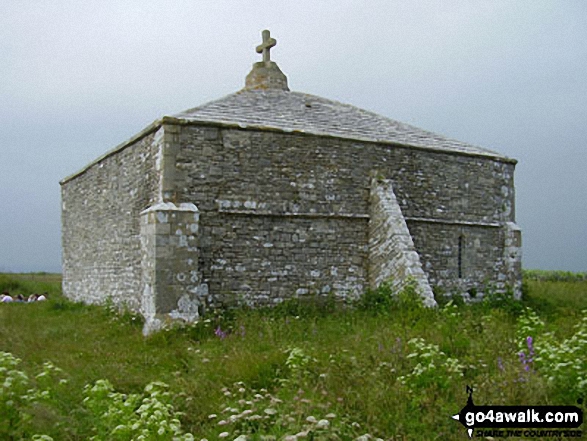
(527, 360)
(220, 333)
(500, 364)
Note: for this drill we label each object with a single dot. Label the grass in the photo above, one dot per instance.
(299, 361)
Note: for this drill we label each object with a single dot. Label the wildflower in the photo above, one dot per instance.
(331, 415)
(223, 435)
(270, 411)
(322, 424)
(212, 416)
(220, 333)
(311, 419)
(500, 364)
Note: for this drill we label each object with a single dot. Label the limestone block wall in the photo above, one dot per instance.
(274, 224)
(257, 187)
(101, 209)
(460, 258)
(257, 259)
(280, 215)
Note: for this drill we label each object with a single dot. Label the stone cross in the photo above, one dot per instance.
(267, 44)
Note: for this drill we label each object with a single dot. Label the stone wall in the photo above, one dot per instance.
(259, 192)
(280, 215)
(481, 255)
(101, 225)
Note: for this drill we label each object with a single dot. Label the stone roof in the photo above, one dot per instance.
(283, 110)
(267, 103)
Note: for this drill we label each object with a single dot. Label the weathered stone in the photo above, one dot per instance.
(296, 195)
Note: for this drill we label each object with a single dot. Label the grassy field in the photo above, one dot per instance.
(387, 369)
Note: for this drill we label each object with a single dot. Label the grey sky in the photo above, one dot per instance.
(78, 78)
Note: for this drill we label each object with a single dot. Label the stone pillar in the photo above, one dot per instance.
(392, 255)
(513, 257)
(172, 281)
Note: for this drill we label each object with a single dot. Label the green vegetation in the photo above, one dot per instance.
(386, 368)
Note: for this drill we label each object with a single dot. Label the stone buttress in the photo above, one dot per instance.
(169, 234)
(392, 256)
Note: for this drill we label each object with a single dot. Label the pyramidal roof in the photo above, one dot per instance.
(267, 103)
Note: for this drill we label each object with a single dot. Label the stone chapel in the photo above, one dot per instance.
(268, 194)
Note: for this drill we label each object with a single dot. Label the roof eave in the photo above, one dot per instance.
(192, 121)
(174, 120)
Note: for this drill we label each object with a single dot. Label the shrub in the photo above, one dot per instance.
(18, 395)
(430, 367)
(563, 363)
(148, 416)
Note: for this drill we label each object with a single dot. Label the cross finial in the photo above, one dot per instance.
(267, 44)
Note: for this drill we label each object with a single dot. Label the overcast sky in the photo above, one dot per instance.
(78, 78)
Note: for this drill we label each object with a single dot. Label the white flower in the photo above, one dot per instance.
(270, 411)
(311, 419)
(211, 416)
(322, 424)
(331, 415)
(223, 435)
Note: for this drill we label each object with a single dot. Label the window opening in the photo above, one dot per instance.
(460, 257)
